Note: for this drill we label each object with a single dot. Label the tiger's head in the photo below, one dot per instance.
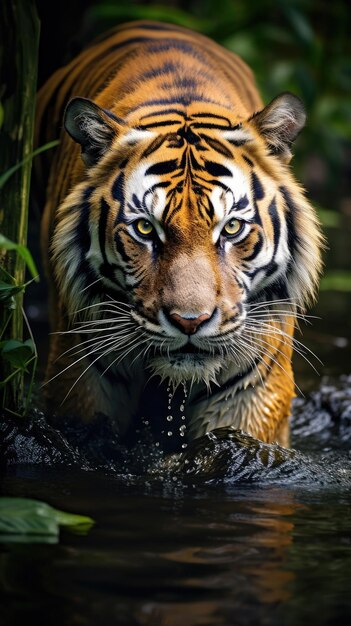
(190, 219)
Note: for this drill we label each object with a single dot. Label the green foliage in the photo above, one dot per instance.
(336, 280)
(6, 244)
(18, 353)
(26, 520)
(19, 356)
(6, 175)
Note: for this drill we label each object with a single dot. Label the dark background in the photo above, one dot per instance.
(291, 45)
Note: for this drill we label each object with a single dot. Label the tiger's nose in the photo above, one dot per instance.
(188, 324)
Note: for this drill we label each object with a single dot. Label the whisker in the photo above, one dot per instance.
(117, 306)
(69, 366)
(279, 331)
(108, 351)
(91, 285)
(122, 336)
(132, 346)
(296, 350)
(262, 351)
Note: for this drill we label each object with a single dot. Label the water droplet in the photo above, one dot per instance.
(169, 418)
(183, 417)
(184, 445)
(157, 444)
(169, 433)
(146, 422)
(181, 407)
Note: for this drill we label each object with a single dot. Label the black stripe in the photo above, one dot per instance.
(209, 125)
(217, 169)
(257, 249)
(156, 27)
(167, 68)
(104, 211)
(121, 248)
(248, 161)
(257, 187)
(218, 146)
(210, 209)
(237, 142)
(194, 163)
(174, 211)
(155, 144)
(211, 115)
(176, 44)
(82, 234)
(136, 201)
(164, 112)
(184, 99)
(275, 219)
(293, 237)
(242, 203)
(156, 124)
(165, 167)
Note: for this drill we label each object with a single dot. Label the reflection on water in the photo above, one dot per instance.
(175, 554)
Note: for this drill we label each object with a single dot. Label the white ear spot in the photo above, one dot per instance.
(135, 135)
(237, 136)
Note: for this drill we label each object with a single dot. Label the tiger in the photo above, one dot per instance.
(178, 245)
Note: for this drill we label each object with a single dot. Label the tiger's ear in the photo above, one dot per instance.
(92, 127)
(280, 122)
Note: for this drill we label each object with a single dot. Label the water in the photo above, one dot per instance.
(231, 533)
(181, 553)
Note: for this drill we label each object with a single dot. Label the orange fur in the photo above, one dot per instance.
(160, 88)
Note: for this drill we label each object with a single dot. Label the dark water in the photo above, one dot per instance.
(178, 552)
(233, 533)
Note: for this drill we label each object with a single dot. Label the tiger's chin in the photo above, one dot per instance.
(179, 368)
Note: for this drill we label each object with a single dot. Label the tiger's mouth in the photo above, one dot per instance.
(190, 348)
(190, 362)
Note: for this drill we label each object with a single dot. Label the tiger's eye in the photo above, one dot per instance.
(144, 228)
(232, 227)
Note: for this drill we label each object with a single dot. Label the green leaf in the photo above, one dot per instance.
(6, 175)
(7, 244)
(8, 291)
(26, 520)
(16, 352)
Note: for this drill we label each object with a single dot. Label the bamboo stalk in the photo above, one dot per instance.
(18, 83)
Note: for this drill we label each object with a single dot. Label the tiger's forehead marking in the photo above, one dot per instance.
(152, 187)
(231, 195)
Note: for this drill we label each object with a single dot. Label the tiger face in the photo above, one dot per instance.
(188, 220)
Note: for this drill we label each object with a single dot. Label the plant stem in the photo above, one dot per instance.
(18, 77)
